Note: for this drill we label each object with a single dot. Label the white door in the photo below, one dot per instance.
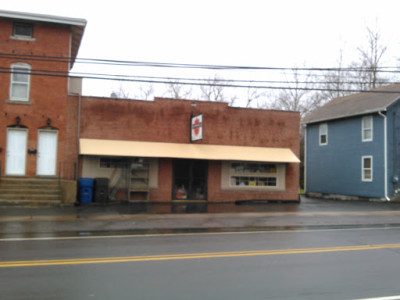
(16, 151)
(47, 152)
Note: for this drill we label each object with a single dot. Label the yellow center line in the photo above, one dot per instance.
(101, 260)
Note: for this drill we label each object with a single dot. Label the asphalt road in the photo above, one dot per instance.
(302, 264)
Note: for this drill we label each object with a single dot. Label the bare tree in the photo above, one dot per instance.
(121, 92)
(297, 96)
(335, 83)
(362, 74)
(146, 92)
(215, 90)
(253, 97)
(177, 90)
(366, 69)
(142, 92)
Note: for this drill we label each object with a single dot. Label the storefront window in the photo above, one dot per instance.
(253, 174)
(111, 162)
(252, 181)
(253, 168)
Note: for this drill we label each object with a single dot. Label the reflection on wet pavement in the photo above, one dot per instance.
(204, 207)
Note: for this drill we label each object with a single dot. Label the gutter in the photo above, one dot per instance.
(338, 117)
(385, 151)
(42, 18)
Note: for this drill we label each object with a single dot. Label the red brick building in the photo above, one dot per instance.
(143, 148)
(33, 125)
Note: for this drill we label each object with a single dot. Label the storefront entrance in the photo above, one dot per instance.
(189, 179)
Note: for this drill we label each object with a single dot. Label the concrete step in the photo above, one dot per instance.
(28, 182)
(29, 203)
(36, 191)
(30, 197)
(29, 186)
(29, 191)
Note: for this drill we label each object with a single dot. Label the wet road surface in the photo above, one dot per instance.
(341, 263)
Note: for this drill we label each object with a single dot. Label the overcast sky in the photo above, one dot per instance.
(221, 32)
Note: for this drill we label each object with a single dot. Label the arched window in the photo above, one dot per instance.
(20, 81)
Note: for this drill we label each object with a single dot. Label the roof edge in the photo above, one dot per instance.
(309, 119)
(345, 116)
(43, 18)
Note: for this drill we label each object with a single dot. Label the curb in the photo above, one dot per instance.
(208, 216)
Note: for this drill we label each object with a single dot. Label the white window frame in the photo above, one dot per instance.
(228, 171)
(364, 129)
(256, 177)
(323, 130)
(13, 82)
(363, 168)
(253, 178)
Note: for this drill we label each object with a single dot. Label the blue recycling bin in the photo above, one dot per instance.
(86, 190)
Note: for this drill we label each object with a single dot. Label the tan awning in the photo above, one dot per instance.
(188, 151)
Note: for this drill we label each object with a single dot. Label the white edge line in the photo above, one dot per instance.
(382, 298)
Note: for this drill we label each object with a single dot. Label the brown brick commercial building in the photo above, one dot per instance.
(245, 154)
(157, 151)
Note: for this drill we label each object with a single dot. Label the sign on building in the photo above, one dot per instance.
(196, 128)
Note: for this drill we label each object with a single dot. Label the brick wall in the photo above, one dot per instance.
(164, 191)
(168, 120)
(48, 94)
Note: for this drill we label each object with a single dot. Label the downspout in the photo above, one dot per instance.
(385, 152)
(78, 133)
(305, 159)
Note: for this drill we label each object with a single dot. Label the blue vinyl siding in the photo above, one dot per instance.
(336, 167)
(393, 116)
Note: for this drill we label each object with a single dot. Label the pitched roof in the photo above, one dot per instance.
(77, 25)
(356, 104)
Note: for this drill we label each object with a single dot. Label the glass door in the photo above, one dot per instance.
(189, 179)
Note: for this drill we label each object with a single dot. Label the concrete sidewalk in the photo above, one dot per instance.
(129, 218)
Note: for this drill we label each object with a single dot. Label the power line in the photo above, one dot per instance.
(64, 74)
(383, 69)
(229, 83)
(179, 80)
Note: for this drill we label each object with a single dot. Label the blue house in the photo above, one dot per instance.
(352, 146)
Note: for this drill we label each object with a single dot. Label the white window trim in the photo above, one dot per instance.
(227, 173)
(22, 38)
(363, 169)
(20, 65)
(321, 133)
(363, 129)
